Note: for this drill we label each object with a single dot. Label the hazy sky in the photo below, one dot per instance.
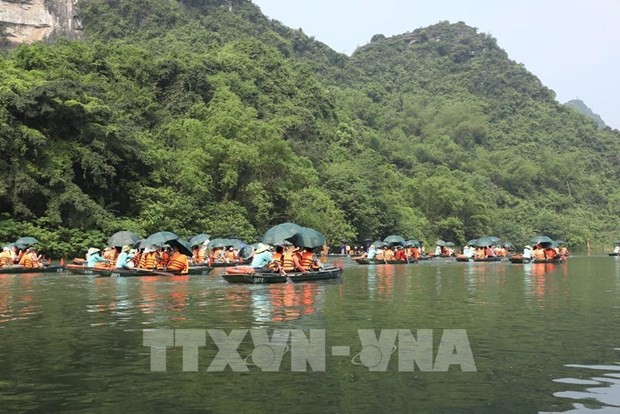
(573, 46)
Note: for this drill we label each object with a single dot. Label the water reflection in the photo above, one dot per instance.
(284, 302)
(603, 398)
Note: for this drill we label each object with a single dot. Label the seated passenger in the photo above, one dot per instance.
(178, 262)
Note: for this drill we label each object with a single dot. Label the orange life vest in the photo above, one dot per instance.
(178, 262)
(287, 262)
(148, 260)
(27, 261)
(307, 260)
(5, 258)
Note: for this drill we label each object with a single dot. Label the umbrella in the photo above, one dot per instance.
(26, 241)
(412, 242)
(307, 237)
(486, 241)
(160, 238)
(617, 242)
(394, 240)
(141, 244)
(507, 244)
(277, 234)
(449, 244)
(219, 242)
(440, 243)
(199, 239)
(121, 238)
(542, 239)
(472, 242)
(236, 243)
(379, 243)
(183, 246)
(247, 251)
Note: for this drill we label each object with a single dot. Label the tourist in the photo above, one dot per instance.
(124, 258)
(178, 262)
(262, 256)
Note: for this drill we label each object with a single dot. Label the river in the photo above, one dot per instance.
(500, 338)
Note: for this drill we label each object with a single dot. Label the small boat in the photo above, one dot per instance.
(199, 270)
(488, 259)
(383, 262)
(232, 264)
(518, 258)
(12, 269)
(79, 269)
(614, 254)
(113, 272)
(247, 274)
(463, 258)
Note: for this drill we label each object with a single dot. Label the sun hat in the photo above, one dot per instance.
(93, 250)
(528, 247)
(126, 248)
(262, 248)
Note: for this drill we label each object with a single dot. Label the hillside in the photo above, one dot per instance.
(205, 116)
(582, 108)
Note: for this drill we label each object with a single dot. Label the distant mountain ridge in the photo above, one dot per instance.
(582, 108)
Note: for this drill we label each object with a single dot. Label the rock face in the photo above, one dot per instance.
(27, 21)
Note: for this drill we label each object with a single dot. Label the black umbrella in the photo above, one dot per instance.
(160, 238)
(277, 234)
(394, 240)
(307, 237)
(141, 244)
(199, 239)
(26, 241)
(184, 247)
(121, 238)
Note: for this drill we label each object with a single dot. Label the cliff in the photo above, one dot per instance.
(27, 21)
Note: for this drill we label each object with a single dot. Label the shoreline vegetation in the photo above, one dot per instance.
(194, 117)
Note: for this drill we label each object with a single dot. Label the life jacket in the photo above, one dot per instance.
(137, 259)
(27, 261)
(5, 258)
(415, 252)
(276, 258)
(538, 254)
(178, 262)
(165, 260)
(198, 255)
(550, 253)
(148, 260)
(230, 255)
(287, 262)
(307, 260)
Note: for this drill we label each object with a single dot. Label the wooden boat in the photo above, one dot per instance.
(383, 262)
(79, 269)
(247, 274)
(113, 272)
(519, 259)
(5, 270)
(463, 258)
(231, 264)
(614, 254)
(488, 259)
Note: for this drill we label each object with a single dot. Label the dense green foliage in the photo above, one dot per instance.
(204, 116)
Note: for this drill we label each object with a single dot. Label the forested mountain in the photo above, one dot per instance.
(205, 116)
(582, 108)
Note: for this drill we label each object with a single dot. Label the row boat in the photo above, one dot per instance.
(381, 262)
(21, 269)
(247, 274)
(114, 272)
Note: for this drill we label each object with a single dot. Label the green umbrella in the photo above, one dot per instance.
(542, 239)
(198, 239)
(307, 237)
(277, 234)
(472, 242)
(184, 247)
(440, 243)
(412, 243)
(394, 240)
(121, 238)
(26, 241)
(160, 238)
(219, 242)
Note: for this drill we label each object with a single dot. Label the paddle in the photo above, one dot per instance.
(283, 273)
(160, 273)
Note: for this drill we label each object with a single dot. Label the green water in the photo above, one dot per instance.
(544, 339)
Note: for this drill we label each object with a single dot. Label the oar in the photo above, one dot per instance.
(160, 273)
(283, 273)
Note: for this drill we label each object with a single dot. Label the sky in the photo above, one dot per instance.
(572, 46)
